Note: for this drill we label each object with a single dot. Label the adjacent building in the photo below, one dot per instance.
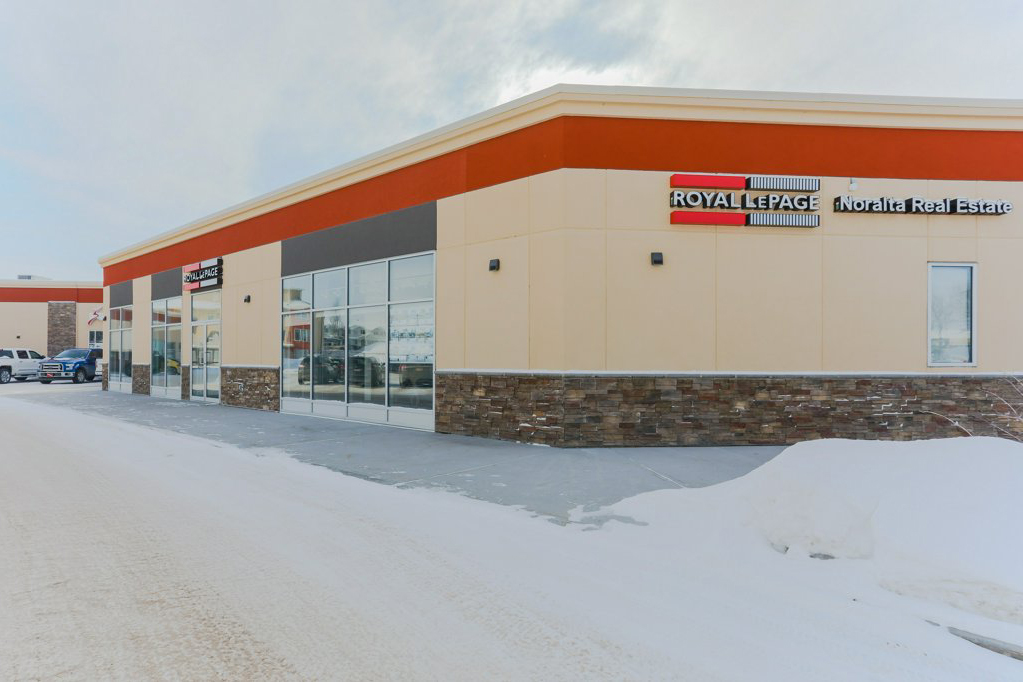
(49, 316)
(613, 266)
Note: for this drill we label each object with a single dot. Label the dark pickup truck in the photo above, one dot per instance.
(76, 364)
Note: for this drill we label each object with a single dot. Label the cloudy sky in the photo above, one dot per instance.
(120, 120)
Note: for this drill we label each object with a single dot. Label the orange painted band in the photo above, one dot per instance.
(623, 144)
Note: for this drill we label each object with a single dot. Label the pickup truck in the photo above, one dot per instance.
(76, 364)
(18, 363)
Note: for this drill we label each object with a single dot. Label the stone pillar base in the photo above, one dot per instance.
(258, 388)
(140, 379)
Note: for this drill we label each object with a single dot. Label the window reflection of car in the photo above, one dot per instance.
(418, 376)
(173, 366)
(366, 371)
(326, 370)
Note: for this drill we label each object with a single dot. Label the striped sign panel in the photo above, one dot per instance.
(783, 183)
(783, 219)
(703, 181)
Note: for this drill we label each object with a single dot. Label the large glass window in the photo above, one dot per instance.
(367, 354)
(412, 278)
(331, 289)
(165, 364)
(205, 307)
(297, 293)
(367, 284)
(410, 374)
(328, 358)
(950, 312)
(158, 361)
(295, 371)
(119, 363)
(368, 335)
(125, 355)
(113, 368)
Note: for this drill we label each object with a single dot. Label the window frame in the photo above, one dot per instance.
(972, 266)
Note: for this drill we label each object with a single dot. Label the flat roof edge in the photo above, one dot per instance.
(560, 93)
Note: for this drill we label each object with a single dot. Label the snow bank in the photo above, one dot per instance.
(937, 519)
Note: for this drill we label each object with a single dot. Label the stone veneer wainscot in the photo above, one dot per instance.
(569, 410)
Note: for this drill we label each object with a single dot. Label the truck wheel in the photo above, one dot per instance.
(79, 376)
(45, 381)
(5, 375)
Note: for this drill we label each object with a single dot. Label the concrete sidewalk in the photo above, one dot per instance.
(546, 481)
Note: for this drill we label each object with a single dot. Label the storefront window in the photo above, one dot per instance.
(174, 310)
(125, 354)
(206, 307)
(367, 354)
(951, 314)
(367, 339)
(412, 278)
(119, 363)
(295, 371)
(158, 360)
(114, 361)
(297, 293)
(410, 377)
(367, 284)
(331, 289)
(328, 358)
(160, 312)
(165, 362)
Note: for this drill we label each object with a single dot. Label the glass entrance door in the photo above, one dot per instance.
(205, 379)
(204, 375)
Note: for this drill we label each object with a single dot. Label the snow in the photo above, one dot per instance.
(131, 553)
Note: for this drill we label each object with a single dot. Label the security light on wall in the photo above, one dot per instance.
(495, 264)
(247, 298)
(656, 258)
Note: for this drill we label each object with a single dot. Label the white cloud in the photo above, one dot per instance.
(119, 120)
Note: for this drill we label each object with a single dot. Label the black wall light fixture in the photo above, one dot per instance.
(247, 298)
(656, 258)
(495, 264)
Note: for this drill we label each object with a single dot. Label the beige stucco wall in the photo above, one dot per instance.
(251, 330)
(576, 290)
(28, 320)
(24, 320)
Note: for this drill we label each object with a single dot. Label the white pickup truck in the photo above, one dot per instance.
(19, 363)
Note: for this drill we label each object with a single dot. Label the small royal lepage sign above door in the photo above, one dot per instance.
(204, 274)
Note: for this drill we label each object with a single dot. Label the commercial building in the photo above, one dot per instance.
(48, 316)
(606, 266)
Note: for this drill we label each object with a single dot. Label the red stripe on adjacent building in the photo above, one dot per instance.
(708, 181)
(46, 294)
(707, 218)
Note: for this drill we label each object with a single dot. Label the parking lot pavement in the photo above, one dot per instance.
(547, 481)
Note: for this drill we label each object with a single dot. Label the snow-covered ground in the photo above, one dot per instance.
(131, 553)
